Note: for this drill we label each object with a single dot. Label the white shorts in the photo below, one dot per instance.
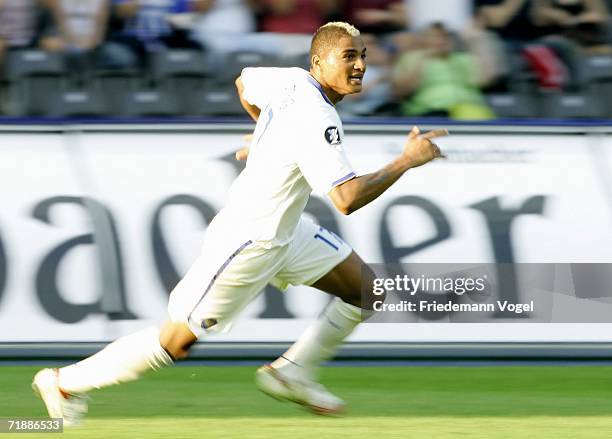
(222, 281)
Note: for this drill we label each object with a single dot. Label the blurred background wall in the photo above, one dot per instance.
(100, 222)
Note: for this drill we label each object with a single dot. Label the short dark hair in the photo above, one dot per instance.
(327, 35)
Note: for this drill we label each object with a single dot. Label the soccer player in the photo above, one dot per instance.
(261, 237)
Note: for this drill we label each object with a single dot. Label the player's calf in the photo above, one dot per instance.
(351, 281)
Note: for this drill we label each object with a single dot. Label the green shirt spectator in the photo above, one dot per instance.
(437, 81)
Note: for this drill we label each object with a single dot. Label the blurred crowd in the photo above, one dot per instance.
(463, 59)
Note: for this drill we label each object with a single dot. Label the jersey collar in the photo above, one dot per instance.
(318, 87)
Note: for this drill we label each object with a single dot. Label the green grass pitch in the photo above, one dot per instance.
(384, 402)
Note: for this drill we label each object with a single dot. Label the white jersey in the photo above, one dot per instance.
(296, 148)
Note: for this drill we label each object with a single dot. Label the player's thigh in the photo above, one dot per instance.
(214, 291)
(313, 252)
(322, 259)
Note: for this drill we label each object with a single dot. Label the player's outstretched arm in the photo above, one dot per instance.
(357, 192)
(253, 110)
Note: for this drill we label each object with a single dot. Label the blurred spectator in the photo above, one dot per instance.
(585, 22)
(569, 28)
(513, 21)
(455, 14)
(376, 89)
(76, 25)
(439, 81)
(148, 26)
(376, 16)
(19, 20)
(500, 31)
(294, 16)
(225, 25)
(510, 19)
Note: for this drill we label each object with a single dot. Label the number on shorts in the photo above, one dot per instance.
(329, 240)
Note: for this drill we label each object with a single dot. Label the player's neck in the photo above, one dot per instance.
(331, 95)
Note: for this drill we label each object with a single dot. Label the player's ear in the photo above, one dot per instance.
(315, 60)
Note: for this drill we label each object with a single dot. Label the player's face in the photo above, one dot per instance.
(343, 67)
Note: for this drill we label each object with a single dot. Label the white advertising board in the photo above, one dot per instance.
(96, 227)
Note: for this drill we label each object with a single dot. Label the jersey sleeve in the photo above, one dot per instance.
(321, 157)
(262, 84)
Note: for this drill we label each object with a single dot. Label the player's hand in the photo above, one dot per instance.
(419, 148)
(243, 153)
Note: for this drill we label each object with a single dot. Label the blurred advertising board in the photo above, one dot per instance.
(96, 228)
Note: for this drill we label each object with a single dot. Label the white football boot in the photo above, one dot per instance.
(71, 408)
(310, 394)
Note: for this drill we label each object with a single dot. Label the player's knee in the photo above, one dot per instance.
(361, 295)
(177, 339)
(368, 298)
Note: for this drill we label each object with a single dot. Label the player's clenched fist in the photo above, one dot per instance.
(243, 153)
(419, 148)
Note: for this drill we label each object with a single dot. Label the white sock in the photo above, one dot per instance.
(321, 340)
(123, 360)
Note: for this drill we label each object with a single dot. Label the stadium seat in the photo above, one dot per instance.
(604, 91)
(300, 60)
(236, 61)
(597, 74)
(150, 102)
(220, 99)
(181, 73)
(521, 79)
(597, 68)
(177, 62)
(117, 84)
(80, 102)
(514, 105)
(35, 77)
(32, 62)
(572, 105)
